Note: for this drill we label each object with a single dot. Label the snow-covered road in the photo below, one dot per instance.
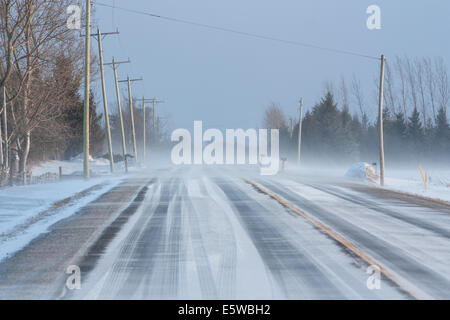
(208, 234)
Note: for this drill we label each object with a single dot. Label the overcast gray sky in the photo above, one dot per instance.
(227, 80)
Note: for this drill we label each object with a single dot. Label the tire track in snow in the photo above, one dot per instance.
(226, 277)
(168, 280)
(116, 277)
(293, 270)
(423, 277)
(204, 271)
(150, 244)
(420, 223)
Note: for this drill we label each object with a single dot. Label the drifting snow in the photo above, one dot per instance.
(28, 211)
(411, 181)
(75, 167)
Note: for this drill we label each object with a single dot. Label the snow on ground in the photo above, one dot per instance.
(28, 211)
(404, 177)
(410, 181)
(73, 167)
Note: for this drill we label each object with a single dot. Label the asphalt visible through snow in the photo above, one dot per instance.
(207, 234)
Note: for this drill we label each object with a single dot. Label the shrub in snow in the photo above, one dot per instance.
(364, 172)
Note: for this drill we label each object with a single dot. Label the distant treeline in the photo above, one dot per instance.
(416, 126)
(333, 135)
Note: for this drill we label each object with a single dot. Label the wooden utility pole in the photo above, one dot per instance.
(119, 107)
(105, 101)
(144, 135)
(144, 117)
(87, 71)
(300, 125)
(155, 103)
(380, 117)
(291, 127)
(130, 100)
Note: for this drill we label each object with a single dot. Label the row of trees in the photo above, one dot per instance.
(416, 125)
(40, 69)
(156, 128)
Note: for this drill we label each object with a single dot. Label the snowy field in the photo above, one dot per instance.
(410, 181)
(75, 167)
(407, 179)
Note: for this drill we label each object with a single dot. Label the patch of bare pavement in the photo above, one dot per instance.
(37, 271)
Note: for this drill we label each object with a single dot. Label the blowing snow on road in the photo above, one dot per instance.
(191, 233)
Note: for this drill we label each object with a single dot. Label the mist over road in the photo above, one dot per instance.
(191, 233)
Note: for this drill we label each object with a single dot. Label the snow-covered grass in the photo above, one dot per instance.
(28, 211)
(410, 181)
(400, 177)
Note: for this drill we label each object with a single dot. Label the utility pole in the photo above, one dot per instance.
(99, 36)
(155, 103)
(380, 117)
(130, 99)
(144, 136)
(145, 127)
(291, 127)
(87, 60)
(119, 107)
(300, 132)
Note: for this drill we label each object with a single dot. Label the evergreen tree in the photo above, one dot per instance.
(442, 134)
(399, 136)
(327, 117)
(347, 140)
(415, 133)
(74, 117)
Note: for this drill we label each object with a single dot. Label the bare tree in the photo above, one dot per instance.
(442, 82)
(411, 80)
(40, 35)
(358, 95)
(389, 90)
(343, 90)
(274, 117)
(403, 86)
(420, 76)
(430, 83)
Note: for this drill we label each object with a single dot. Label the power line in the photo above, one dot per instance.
(243, 33)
